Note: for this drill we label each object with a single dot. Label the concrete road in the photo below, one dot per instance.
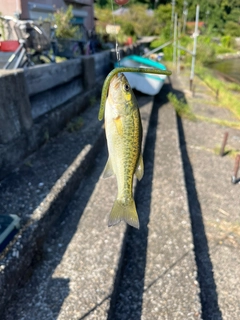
(183, 263)
(90, 271)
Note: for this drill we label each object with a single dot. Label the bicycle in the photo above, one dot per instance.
(34, 43)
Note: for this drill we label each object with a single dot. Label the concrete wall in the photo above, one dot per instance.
(37, 102)
(9, 7)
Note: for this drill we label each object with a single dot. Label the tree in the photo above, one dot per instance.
(219, 15)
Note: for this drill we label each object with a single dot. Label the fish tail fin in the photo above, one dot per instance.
(124, 211)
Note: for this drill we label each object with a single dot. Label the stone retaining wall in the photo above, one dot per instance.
(227, 56)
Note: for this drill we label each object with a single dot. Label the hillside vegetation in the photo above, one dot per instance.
(221, 24)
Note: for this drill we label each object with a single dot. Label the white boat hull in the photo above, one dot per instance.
(146, 83)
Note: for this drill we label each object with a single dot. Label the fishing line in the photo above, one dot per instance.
(116, 38)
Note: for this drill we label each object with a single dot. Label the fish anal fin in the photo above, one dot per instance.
(108, 170)
(140, 168)
(124, 212)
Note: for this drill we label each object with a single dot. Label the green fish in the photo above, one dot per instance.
(124, 138)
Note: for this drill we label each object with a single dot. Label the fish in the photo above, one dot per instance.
(123, 130)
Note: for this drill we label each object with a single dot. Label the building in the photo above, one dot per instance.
(191, 26)
(34, 9)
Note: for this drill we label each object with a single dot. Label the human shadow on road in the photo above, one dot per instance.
(127, 297)
(208, 290)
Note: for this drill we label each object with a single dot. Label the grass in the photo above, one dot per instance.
(225, 123)
(228, 151)
(75, 124)
(233, 86)
(226, 98)
(182, 108)
(227, 227)
(185, 111)
(225, 95)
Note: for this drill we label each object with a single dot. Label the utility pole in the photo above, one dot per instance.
(185, 13)
(173, 10)
(175, 40)
(178, 46)
(195, 35)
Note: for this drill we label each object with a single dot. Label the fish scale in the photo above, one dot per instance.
(127, 155)
(131, 157)
(124, 137)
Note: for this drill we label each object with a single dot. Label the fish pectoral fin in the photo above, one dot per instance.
(108, 170)
(126, 212)
(140, 168)
(119, 125)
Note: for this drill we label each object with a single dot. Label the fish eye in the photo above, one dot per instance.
(126, 87)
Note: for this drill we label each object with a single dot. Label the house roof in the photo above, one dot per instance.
(192, 24)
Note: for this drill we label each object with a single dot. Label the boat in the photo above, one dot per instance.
(147, 83)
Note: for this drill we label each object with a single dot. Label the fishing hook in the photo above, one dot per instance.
(123, 69)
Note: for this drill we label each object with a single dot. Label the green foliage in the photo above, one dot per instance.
(232, 29)
(104, 17)
(168, 53)
(206, 50)
(233, 86)
(234, 14)
(232, 152)
(221, 19)
(156, 43)
(163, 14)
(185, 111)
(223, 50)
(221, 122)
(220, 16)
(143, 24)
(128, 29)
(217, 14)
(225, 96)
(135, 23)
(65, 30)
(75, 124)
(102, 3)
(186, 40)
(182, 108)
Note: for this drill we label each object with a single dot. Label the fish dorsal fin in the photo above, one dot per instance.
(108, 170)
(140, 168)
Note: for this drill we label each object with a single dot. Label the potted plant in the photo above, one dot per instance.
(67, 34)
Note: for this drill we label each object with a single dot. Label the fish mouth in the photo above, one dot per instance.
(117, 79)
